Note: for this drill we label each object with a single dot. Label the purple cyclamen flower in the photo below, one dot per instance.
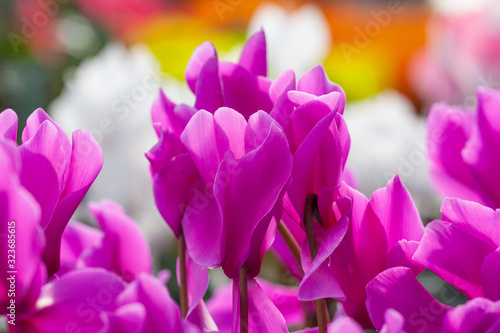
(310, 113)
(383, 232)
(463, 248)
(241, 86)
(56, 171)
(464, 149)
(94, 300)
(244, 168)
(120, 246)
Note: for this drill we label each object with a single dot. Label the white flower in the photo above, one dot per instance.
(388, 138)
(297, 40)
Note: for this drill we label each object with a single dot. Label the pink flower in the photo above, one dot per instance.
(463, 248)
(464, 149)
(57, 172)
(119, 247)
(244, 168)
(383, 232)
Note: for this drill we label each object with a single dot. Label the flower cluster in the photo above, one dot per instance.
(255, 166)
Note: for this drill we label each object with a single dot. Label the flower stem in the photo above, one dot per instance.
(290, 241)
(243, 286)
(183, 275)
(310, 211)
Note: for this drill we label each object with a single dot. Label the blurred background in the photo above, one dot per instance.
(98, 65)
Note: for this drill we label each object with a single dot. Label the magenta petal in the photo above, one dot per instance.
(299, 98)
(123, 239)
(397, 288)
(482, 150)
(8, 125)
(76, 300)
(397, 212)
(253, 56)
(44, 165)
(206, 144)
(195, 64)
(490, 271)
(202, 227)
(209, 93)
(233, 124)
(401, 254)
(263, 315)
(345, 141)
(161, 309)
(280, 248)
(197, 282)
(201, 319)
(318, 281)
(477, 315)
(454, 255)
(448, 129)
(283, 107)
(238, 84)
(86, 163)
(340, 325)
(310, 136)
(316, 82)
(238, 189)
(170, 187)
(394, 322)
(77, 237)
(126, 319)
(285, 299)
(35, 120)
(480, 221)
(162, 112)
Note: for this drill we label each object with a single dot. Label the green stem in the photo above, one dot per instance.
(310, 212)
(243, 286)
(183, 275)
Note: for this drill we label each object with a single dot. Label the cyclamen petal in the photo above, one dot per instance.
(253, 56)
(263, 170)
(44, 167)
(195, 64)
(456, 247)
(448, 130)
(283, 297)
(162, 313)
(72, 301)
(490, 270)
(86, 163)
(8, 125)
(477, 315)
(263, 315)
(464, 149)
(378, 237)
(206, 143)
(397, 212)
(397, 288)
(482, 149)
(123, 242)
